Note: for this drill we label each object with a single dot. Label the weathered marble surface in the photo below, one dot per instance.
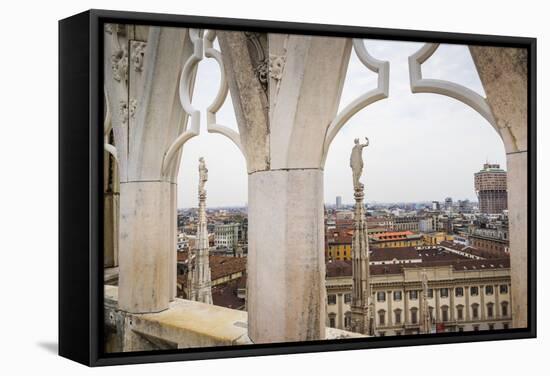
(285, 91)
(185, 324)
(504, 73)
(145, 246)
(142, 68)
(286, 268)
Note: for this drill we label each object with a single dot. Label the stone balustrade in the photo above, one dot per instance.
(185, 324)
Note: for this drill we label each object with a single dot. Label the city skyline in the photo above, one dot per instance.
(344, 204)
(441, 142)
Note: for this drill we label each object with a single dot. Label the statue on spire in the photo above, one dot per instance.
(356, 162)
(362, 318)
(426, 319)
(199, 280)
(203, 176)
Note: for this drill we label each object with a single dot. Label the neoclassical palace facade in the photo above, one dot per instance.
(462, 295)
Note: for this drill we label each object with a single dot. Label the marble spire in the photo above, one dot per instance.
(200, 283)
(362, 317)
(426, 326)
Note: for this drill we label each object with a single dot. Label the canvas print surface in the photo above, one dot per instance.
(269, 188)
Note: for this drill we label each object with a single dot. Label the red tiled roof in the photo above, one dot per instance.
(344, 268)
(220, 266)
(339, 236)
(338, 268)
(399, 253)
(225, 295)
(473, 251)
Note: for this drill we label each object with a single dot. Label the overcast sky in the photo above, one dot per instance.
(423, 147)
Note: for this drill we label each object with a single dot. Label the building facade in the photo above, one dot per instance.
(395, 239)
(226, 235)
(490, 240)
(405, 223)
(468, 295)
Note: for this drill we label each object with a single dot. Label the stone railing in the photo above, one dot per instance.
(185, 324)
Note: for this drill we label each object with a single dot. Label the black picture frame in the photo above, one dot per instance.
(80, 186)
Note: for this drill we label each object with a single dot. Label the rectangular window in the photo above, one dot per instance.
(381, 296)
(444, 292)
(444, 314)
(491, 326)
(397, 295)
(505, 325)
(488, 290)
(460, 329)
(460, 313)
(474, 291)
(332, 322)
(382, 317)
(331, 298)
(459, 291)
(430, 293)
(413, 294)
(347, 298)
(475, 312)
(504, 289)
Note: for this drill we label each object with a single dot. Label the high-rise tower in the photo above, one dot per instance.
(491, 188)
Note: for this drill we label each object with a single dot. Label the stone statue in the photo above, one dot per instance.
(203, 176)
(356, 162)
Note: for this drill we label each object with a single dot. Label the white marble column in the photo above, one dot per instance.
(145, 246)
(275, 81)
(286, 266)
(142, 67)
(503, 73)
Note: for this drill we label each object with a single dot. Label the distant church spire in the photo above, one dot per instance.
(200, 283)
(362, 315)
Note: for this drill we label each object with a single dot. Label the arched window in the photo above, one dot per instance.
(414, 315)
(347, 320)
(332, 320)
(460, 312)
(475, 311)
(397, 313)
(490, 310)
(381, 317)
(504, 308)
(444, 313)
